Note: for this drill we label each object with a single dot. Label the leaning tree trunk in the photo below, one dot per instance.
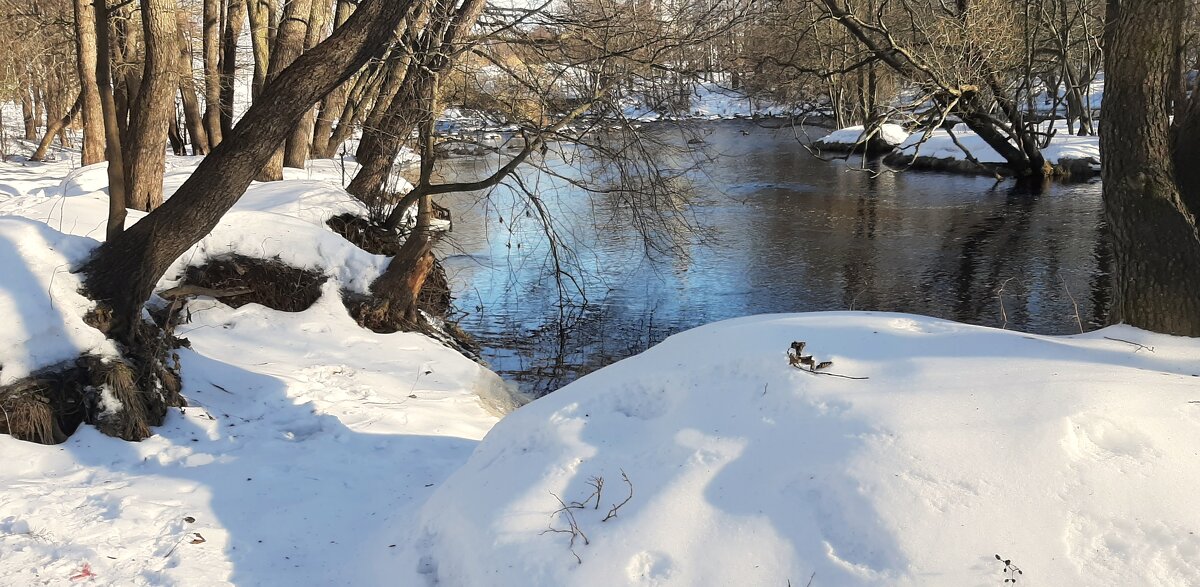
(92, 113)
(1156, 245)
(122, 273)
(55, 127)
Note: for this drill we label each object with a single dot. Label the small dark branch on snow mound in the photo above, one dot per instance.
(808, 364)
(1139, 346)
(572, 525)
(612, 513)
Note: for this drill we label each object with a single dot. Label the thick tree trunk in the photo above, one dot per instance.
(1156, 246)
(85, 51)
(55, 127)
(289, 44)
(298, 144)
(122, 273)
(212, 70)
(155, 106)
(236, 17)
(112, 132)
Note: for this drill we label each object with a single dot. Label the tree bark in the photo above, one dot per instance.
(155, 106)
(258, 14)
(1155, 242)
(122, 273)
(299, 143)
(212, 70)
(289, 44)
(192, 116)
(112, 132)
(85, 53)
(333, 104)
(234, 20)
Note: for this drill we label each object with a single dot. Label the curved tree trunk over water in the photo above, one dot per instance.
(1156, 244)
(122, 273)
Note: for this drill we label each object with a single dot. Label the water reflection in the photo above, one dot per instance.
(785, 233)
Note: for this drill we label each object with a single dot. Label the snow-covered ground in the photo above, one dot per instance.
(851, 137)
(308, 443)
(939, 145)
(1074, 457)
(709, 101)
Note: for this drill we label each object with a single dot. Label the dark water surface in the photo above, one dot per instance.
(785, 232)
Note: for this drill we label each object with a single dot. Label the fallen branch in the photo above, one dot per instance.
(183, 291)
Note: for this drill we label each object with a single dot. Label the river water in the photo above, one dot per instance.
(779, 231)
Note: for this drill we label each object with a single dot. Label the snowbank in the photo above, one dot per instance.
(1072, 456)
(851, 138)
(1064, 149)
(308, 443)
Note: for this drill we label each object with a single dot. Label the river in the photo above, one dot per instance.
(763, 227)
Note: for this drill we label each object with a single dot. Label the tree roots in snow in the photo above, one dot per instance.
(238, 280)
(122, 397)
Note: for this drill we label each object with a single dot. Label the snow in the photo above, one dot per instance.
(1072, 456)
(308, 443)
(891, 134)
(939, 145)
(39, 299)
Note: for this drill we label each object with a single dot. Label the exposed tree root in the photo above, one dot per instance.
(122, 397)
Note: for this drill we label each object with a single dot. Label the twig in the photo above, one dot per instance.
(612, 513)
(1138, 345)
(1073, 303)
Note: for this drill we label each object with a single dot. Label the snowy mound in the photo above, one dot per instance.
(851, 138)
(40, 300)
(1075, 457)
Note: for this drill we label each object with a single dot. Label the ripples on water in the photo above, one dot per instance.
(785, 233)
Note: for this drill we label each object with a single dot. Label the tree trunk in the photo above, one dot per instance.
(299, 143)
(155, 106)
(85, 51)
(289, 44)
(187, 94)
(122, 273)
(27, 115)
(1156, 246)
(54, 128)
(333, 104)
(234, 20)
(212, 70)
(260, 41)
(112, 132)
